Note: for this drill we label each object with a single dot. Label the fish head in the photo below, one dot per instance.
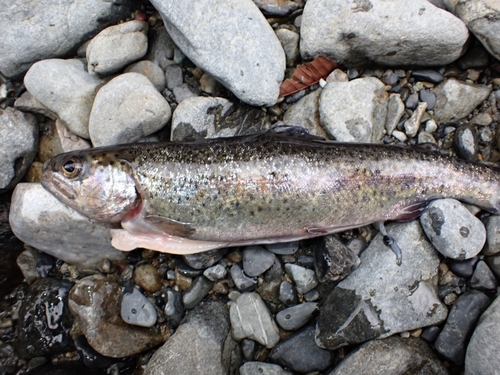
(98, 184)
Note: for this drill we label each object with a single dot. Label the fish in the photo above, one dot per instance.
(278, 186)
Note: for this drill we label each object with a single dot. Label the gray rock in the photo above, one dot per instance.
(428, 75)
(19, 135)
(197, 346)
(482, 17)
(290, 41)
(413, 123)
(214, 273)
(453, 230)
(463, 268)
(354, 111)
(94, 301)
(183, 92)
(248, 348)
(37, 218)
(456, 99)
(237, 32)
(173, 76)
(492, 224)
(428, 97)
(257, 260)
(136, 309)
(65, 88)
(250, 318)
(295, 317)
(452, 341)
(200, 261)
(242, 282)
(483, 278)
(395, 109)
(287, 294)
(117, 46)
(196, 292)
(279, 8)
(161, 48)
(283, 248)
(412, 101)
(261, 368)
(27, 103)
(300, 353)
(47, 29)
(380, 298)
(26, 261)
(304, 279)
(466, 143)
(151, 70)
(343, 31)
(391, 356)
(333, 261)
(481, 357)
(126, 109)
(174, 308)
(424, 137)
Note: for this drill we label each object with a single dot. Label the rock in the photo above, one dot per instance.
(45, 29)
(452, 229)
(295, 317)
(27, 103)
(482, 17)
(333, 261)
(94, 301)
(215, 273)
(304, 279)
(270, 282)
(248, 348)
(250, 318)
(64, 87)
(428, 97)
(183, 92)
(257, 260)
(430, 334)
(137, 310)
(288, 294)
(427, 75)
(456, 99)
(463, 268)
(151, 70)
(283, 248)
(466, 143)
(413, 123)
(26, 261)
(380, 298)
(19, 134)
(126, 109)
(342, 31)
(482, 119)
(391, 356)
(196, 292)
(262, 368)
(290, 42)
(117, 46)
(483, 278)
(395, 110)
(475, 57)
(90, 357)
(173, 76)
(452, 341)
(492, 224)
(481, 358)
(197, 346)
(278, 8)
(174, 308)
(354, 111)
(200, 261)
(236, 32)
(44, 319)
(38, 219)
(242, 281)
(305, 113)
(147, 277)
(412, 101)
(161, 47)
(300, 353)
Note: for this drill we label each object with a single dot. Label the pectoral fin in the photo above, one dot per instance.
(170, 226)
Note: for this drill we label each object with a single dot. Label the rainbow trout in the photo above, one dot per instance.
(274, 187)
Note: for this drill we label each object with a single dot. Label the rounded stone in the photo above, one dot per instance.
(146, 276)
(137, 310)
(151, 70)
(257, 260)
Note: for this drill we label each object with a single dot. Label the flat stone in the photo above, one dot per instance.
(333, 261)
(456, 99)
(304, 279)
(428, 97)
(481, 358)
(200, 261)
(126, 109)
(196, 292)
(391, 356)
(242, 282)
(380, 298)
(452, 229)
(137, 310)
(270, 282)
(342, 31)
(295, 317)
(289, 39)
(413, 123)
(215, 273)
(492, 225)
(47, 29)
(283, 248)
(65, 87)
(211, 35)
(463, 268)
(483, 278)
(395, 110)
(354, 111)
(250, 318)
(19, 134)
(151, 70)
(257, 260)
(427, 75)
(37, 218)
(117, 46)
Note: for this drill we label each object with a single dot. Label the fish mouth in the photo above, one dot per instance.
(56, 186)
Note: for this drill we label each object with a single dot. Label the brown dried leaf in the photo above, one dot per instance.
(306, 75)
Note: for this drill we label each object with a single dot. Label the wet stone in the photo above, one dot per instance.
(242, 281)
(304, 279)
(137, 310)
(90, 357)
(311, 296)
(295, 317)
(174, 308)
(284, 248)
(483, 278)
(214, 273)
(45, 320)
(45, 263)
(203, 260)
(432, 76)
(188, 271)
(271, 281)
(463, 268)
(146, 276)
(257, 260)
(288, 294)
(452, 341)
(196, 292)
(466, 143)
(26, 261)
(333, 261)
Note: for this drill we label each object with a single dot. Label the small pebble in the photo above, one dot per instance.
(492, 225)
(257, 260)
(429, 97)
(196, 292)
(400, 136)
(146, 276)
(284, 248)
(428, 76)
(304, 279)
(183, 92)
(430, 334)
(412, 101)
(287, 294)
(248, 348)
(483, 278)
(242, 281)
(466, 143)
(311, 296)
(215, 273)
(463, 268)
(174, 308)
(173, 76)
(483, 119)
(203, 260)
(137, 310)
(295, 317)
(430, 126)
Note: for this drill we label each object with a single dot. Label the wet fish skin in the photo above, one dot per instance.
(272, 187)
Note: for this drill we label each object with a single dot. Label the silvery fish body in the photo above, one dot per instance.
(273, 187)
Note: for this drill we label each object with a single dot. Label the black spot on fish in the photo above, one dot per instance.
(252, 213)
(259, 208)
(285, 200)
(111, 162)
(122, 163)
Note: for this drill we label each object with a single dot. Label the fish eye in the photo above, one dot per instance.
(71, 168)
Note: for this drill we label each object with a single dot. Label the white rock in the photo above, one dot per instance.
(41, 221)
(344, 31)
(492, 224)
(413, 123)
(117, 46)
(137, 310)
(395, 110)
(151, 70)
(126, 109)
(231, 41)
